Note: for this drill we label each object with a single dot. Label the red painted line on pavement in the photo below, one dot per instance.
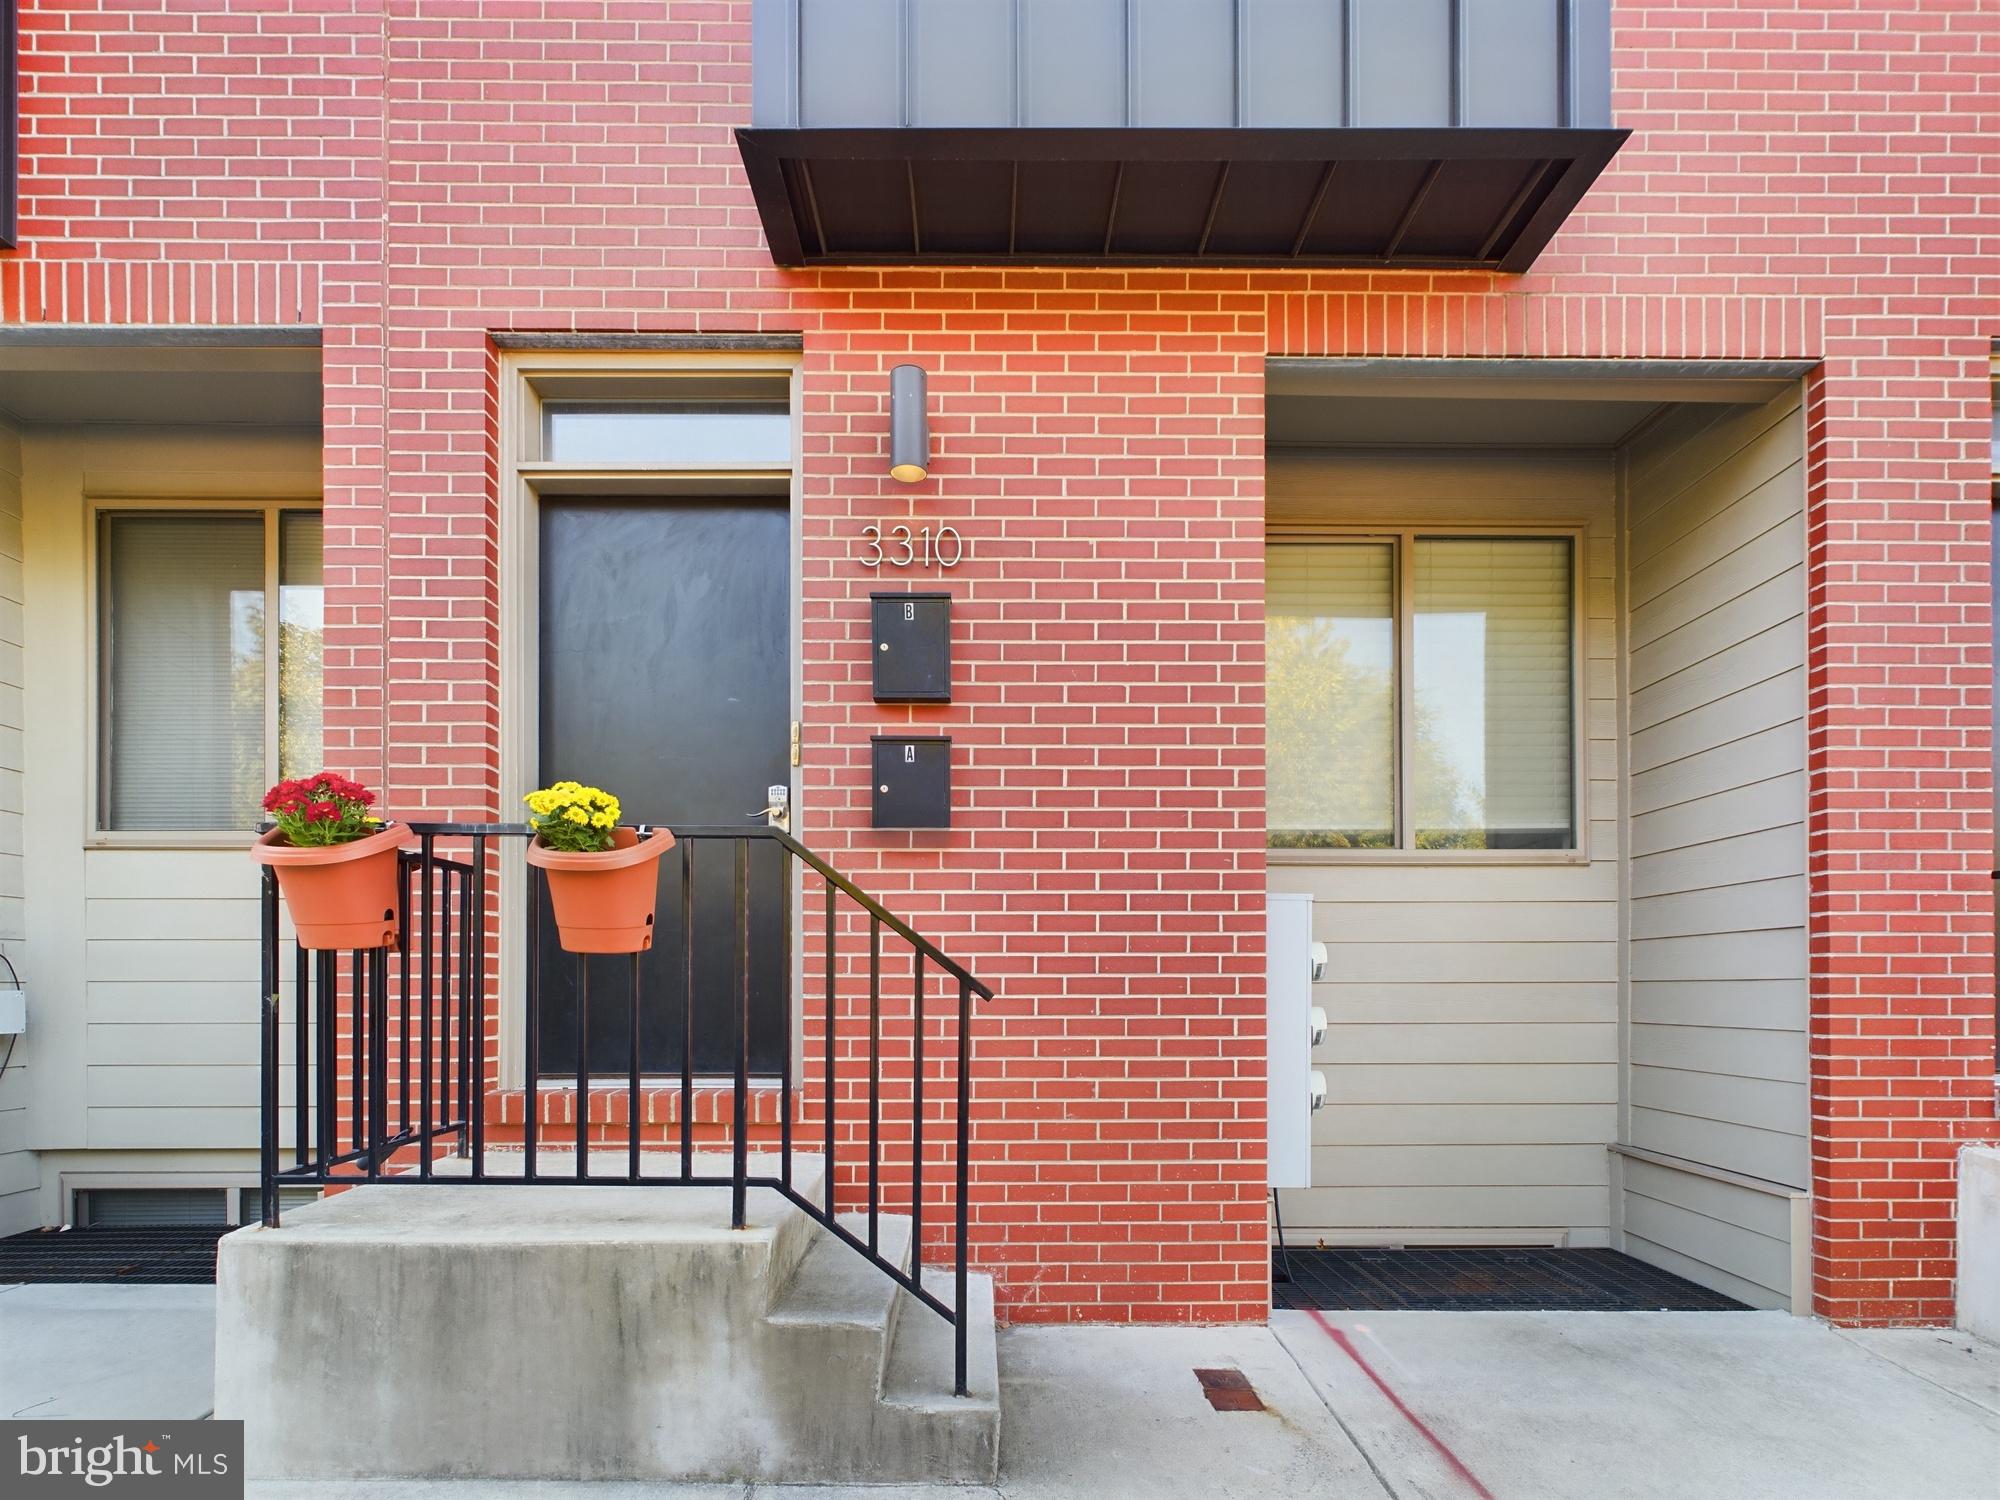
(1347, 1347)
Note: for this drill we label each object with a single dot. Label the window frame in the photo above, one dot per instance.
(1403, 538)
(98, 716)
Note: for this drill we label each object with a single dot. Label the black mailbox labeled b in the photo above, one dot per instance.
(911, 647)
(912, 787)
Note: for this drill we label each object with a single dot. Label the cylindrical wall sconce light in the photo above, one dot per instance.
(909, 425)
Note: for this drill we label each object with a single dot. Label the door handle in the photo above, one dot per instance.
(777, 811)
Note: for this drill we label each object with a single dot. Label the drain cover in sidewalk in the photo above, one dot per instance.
(155, 1253)
(1229, 1390)
(1497, 1279)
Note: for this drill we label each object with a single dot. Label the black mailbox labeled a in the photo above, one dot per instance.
(911, 647)
(912, 787)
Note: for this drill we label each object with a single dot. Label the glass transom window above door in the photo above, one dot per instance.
(1421, 692)
(201, 702)
(726, 431)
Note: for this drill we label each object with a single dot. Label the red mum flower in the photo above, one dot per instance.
(283, 796)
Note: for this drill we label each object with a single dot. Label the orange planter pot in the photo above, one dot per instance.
(341, 896)
(604, 902)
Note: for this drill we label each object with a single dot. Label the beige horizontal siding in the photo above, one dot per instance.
(170, 959)
(1453, 1125)
(1715, 925)
(19, 1171)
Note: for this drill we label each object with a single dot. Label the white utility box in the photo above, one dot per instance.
(13, 1011)
(1289, 1040)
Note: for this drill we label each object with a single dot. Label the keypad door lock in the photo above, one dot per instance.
(777, 809)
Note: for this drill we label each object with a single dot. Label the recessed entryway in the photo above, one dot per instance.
(1536, 750)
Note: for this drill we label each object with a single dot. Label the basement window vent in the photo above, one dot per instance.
(128, 1208)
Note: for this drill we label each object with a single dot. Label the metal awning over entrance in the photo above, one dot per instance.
(1414, 133)
(1486, 198)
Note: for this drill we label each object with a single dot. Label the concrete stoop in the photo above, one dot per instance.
(548, 1332)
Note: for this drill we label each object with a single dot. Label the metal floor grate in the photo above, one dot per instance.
(1495, 1279)
(155, 1253)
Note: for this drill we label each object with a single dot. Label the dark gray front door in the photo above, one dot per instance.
(665, 679)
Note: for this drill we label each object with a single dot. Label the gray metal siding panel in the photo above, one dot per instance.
(1189, 63)
(1402, 62)
(1590, 63)
(774, 64)
(1184, 62)
(1512, 63)
(852, 65)
(1073, 62)
(1294, 64)
(962, 62)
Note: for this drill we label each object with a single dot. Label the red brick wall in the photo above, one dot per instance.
(1806, 180)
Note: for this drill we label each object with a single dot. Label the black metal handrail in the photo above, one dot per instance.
(411, 1046)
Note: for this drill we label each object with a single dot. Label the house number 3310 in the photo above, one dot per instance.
(903, 547)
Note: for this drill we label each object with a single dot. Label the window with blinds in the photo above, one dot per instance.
(1492, 719)
(202, 705)
(1329, 695)
(1420, 692)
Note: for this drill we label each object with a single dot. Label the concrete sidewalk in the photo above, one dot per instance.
(1683, 1405)
(119, 1350)
(1528, 1406)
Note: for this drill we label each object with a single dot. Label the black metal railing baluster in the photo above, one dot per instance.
(687, 1009)
(581, 1109)
(874, 1083)
(475, 964)
(960, 1258)
(740, 1130)
(403, 987)
(917, 1115)
(832, 896)
(323, 987)
(378, 1059)
(301, 1054)
(531, 1049)
(267, 1093)
(268, 1105)
(357, 1075)
(426, 859)
(468, 995)
(632, 1081)
(444, 1048)
(785, 1018)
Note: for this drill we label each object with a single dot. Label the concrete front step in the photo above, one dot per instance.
(847, 1312)
(566, 1332)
